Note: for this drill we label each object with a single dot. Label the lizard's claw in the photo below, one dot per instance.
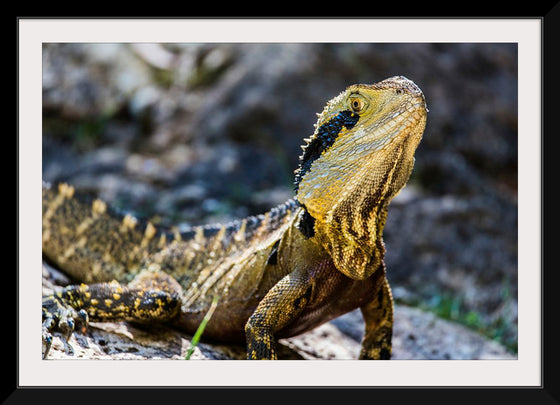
(47, 342)
(61, 318)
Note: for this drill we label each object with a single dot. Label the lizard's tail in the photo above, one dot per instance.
(90, 241)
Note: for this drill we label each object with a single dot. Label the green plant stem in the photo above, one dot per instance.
(198, 333)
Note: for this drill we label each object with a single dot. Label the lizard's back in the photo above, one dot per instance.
(236, 262)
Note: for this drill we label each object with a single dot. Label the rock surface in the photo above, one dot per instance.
(417, 335)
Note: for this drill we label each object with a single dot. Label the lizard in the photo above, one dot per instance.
(275, 275)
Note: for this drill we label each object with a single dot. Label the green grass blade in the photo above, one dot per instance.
(198, 333)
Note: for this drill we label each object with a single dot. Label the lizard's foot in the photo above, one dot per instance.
(58, 317)
(377, 345)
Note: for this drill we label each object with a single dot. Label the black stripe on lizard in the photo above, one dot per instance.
(323, 140)
(275, 275)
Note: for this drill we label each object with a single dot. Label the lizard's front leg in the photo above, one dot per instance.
(280, 305)
(150, 297)
(378, 317)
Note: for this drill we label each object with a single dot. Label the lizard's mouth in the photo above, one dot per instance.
(374, 137)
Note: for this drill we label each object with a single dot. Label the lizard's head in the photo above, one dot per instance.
(359, 157)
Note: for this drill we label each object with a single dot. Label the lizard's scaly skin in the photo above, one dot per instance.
(276, 275)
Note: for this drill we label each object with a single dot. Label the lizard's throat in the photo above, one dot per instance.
(355, 177)
(348, 203)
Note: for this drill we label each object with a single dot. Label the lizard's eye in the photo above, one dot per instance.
(357, 104)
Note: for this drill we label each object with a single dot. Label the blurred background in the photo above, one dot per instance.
(198, 133)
